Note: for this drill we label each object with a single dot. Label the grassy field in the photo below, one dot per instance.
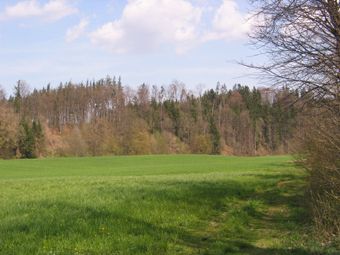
(154, 205)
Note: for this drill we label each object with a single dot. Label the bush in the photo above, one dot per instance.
(321, 153)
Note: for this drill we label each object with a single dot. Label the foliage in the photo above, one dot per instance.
(8, 131)
(30, 139)
(104, 118)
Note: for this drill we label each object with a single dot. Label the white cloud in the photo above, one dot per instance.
(149, 24)
(229, 23)
(76, 31)
(52, 10)
(146, 25)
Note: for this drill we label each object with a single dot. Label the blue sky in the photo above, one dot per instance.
(144, 41)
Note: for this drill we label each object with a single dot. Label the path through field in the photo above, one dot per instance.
(154, 205)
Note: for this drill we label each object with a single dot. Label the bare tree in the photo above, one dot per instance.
(2, 94)
(302, 40)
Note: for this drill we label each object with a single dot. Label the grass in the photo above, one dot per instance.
(154, 205)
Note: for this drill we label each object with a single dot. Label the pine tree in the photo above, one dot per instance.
(26, 140)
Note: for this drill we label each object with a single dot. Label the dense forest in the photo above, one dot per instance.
(106, 118)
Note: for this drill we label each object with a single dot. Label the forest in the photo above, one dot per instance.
(132, 163)
(69, 201)
(105, 117)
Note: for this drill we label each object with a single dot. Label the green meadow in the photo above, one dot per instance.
(178, 204)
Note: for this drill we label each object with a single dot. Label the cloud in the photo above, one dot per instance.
(148, 24)
(76, 31)
(229, 23)
(52, 10)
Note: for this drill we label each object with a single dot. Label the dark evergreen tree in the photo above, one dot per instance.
(26, 141)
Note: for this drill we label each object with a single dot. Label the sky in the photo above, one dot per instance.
(197, 42)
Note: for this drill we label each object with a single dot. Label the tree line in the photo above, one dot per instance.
(106, 118)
